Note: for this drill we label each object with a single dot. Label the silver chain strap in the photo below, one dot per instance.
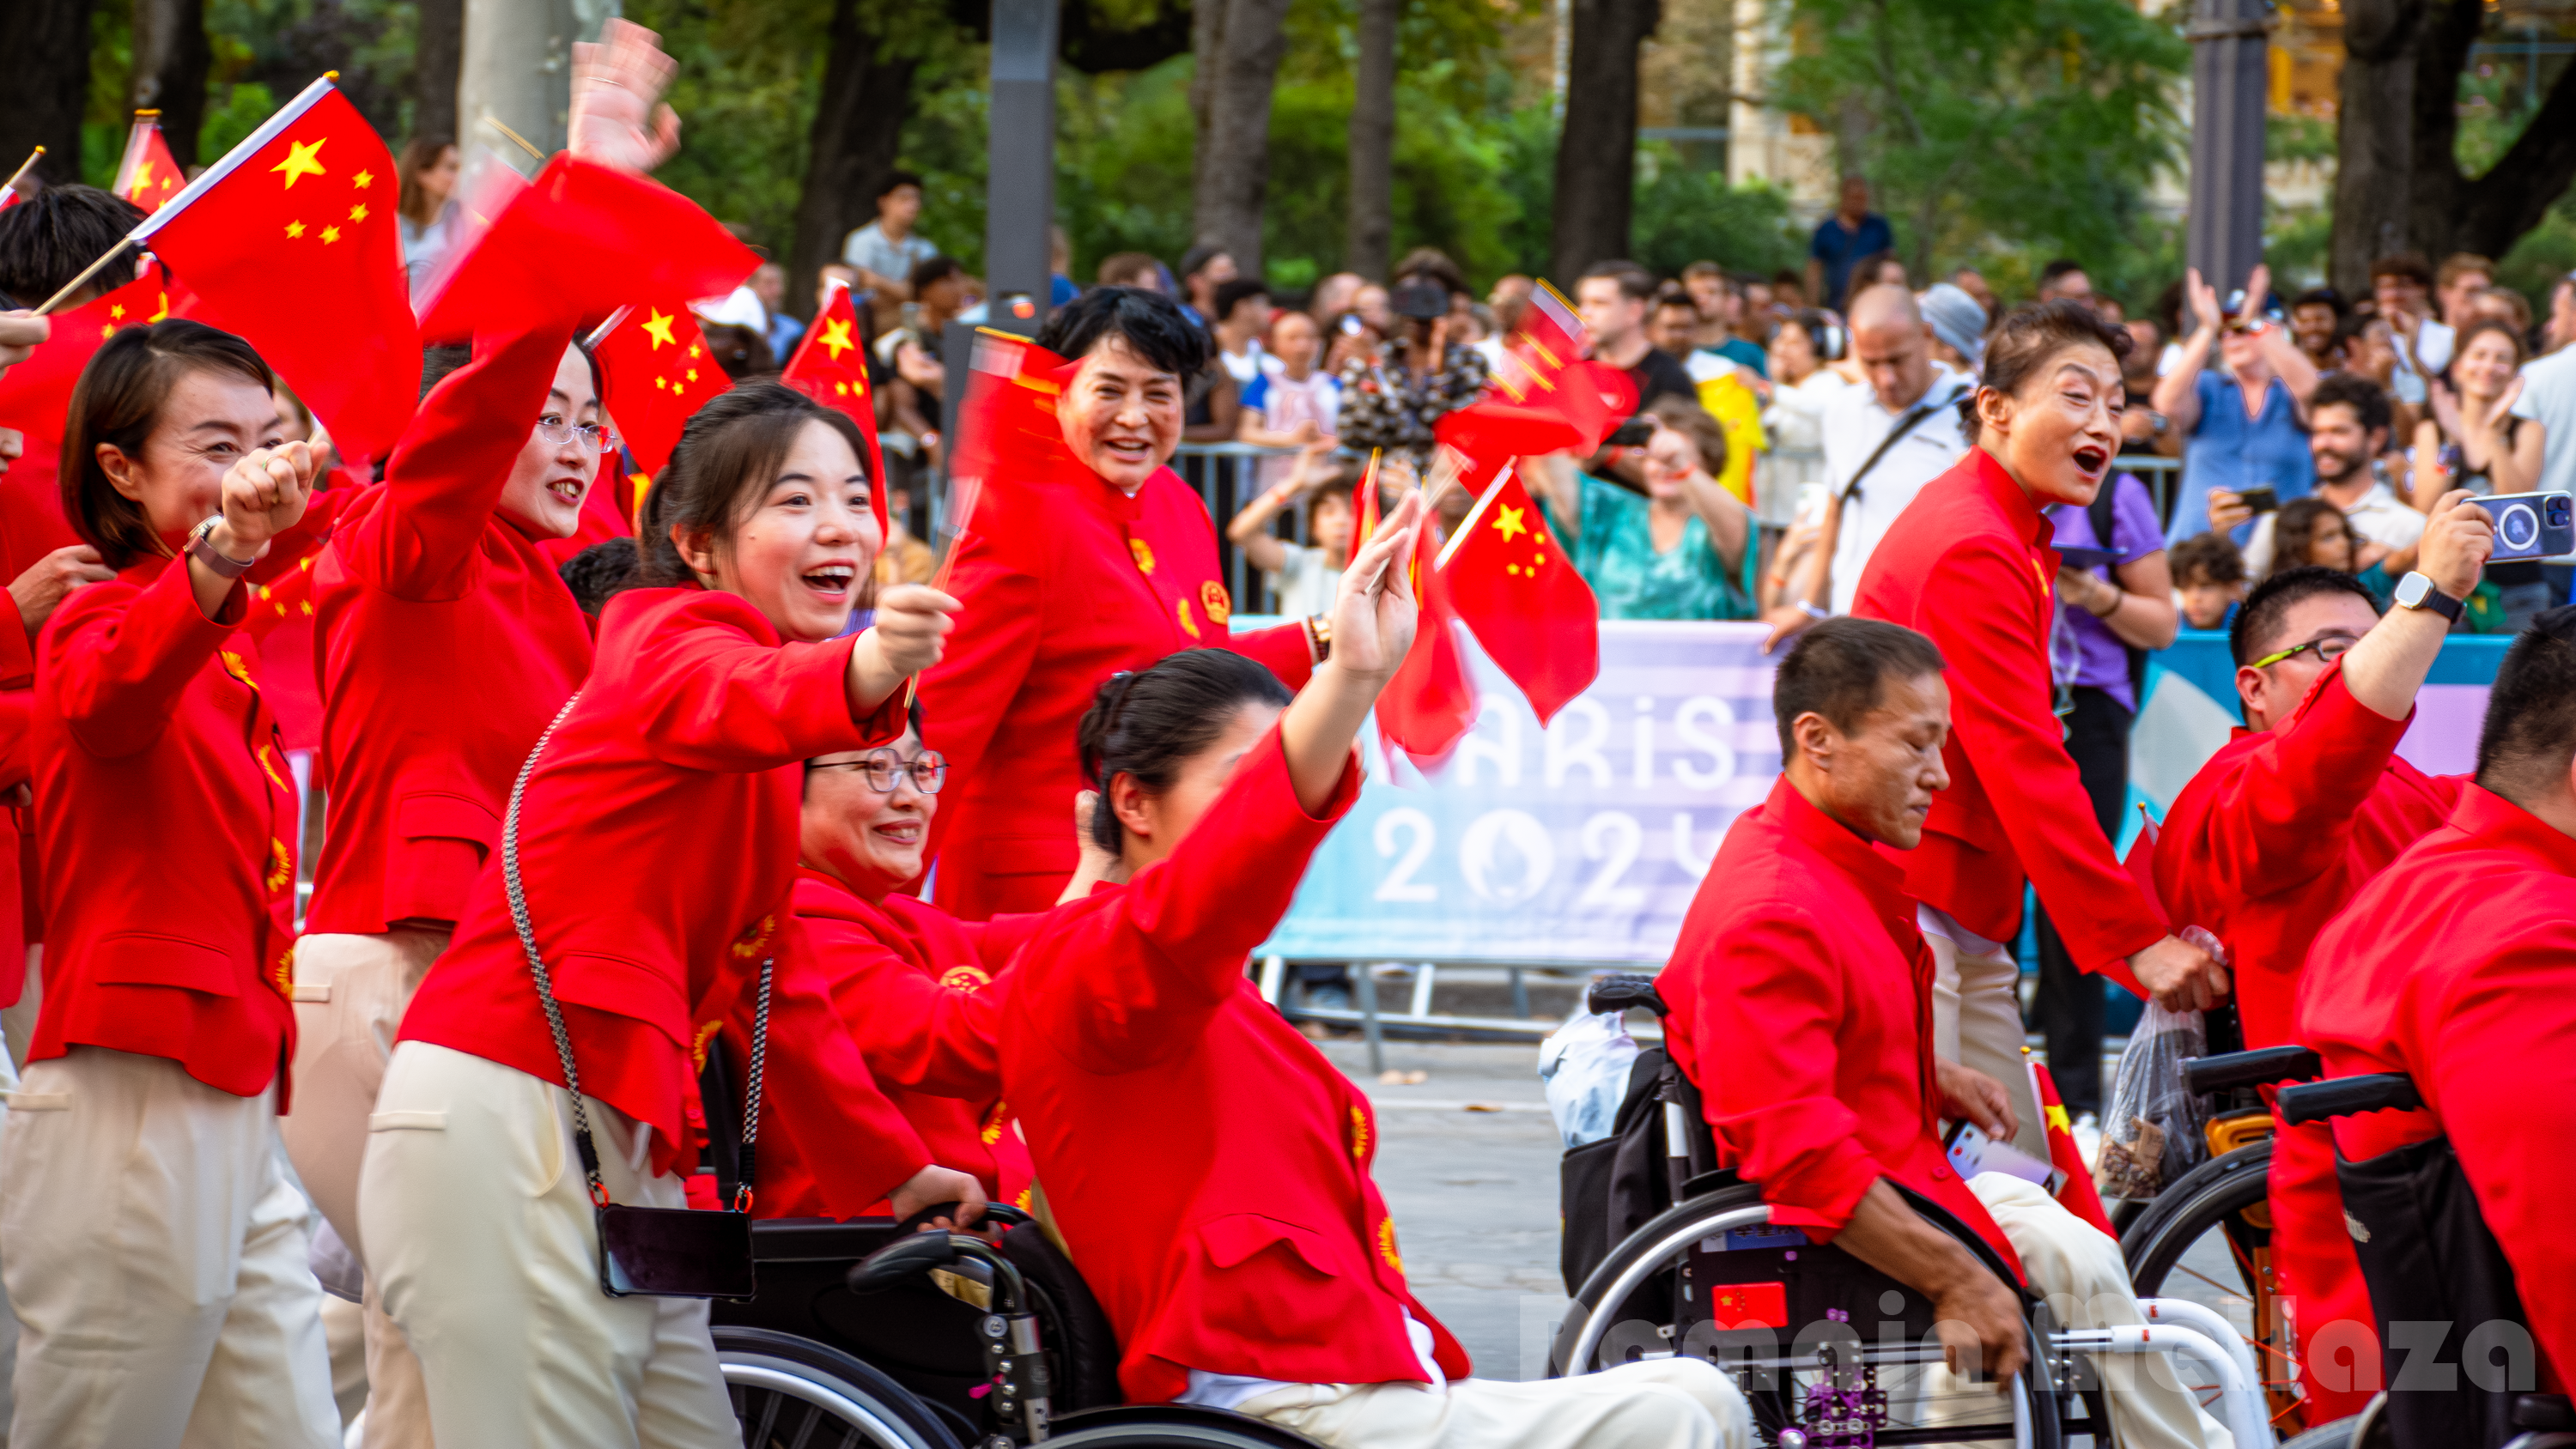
(518, 898)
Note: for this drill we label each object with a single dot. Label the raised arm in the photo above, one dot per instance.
(859, 1147)
(2177, 393)
(715, 697)
(116, 660)
(1003, 597)
(912, 1031)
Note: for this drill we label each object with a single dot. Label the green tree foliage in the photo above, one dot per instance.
(2000, 132)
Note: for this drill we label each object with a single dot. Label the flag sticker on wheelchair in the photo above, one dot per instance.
(1759, 1236)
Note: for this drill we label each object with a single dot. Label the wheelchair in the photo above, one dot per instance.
(1827, 1350)
(867, 1333)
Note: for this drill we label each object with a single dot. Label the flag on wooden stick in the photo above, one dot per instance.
(148, 176)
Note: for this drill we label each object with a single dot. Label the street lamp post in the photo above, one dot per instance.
(2230, 78)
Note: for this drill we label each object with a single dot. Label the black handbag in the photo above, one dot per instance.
(645, 1252)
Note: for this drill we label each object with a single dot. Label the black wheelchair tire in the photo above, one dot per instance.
(2047, 1409)
(2181, 1214)
(2337, 1435)
(768, 1373)
(1171, 1426)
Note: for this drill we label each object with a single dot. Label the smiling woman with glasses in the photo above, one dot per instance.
(882, 769)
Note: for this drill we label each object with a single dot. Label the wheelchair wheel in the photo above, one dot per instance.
(1171, 1426)
(2208, 1239)
(794, 1393)
(1857, 1349)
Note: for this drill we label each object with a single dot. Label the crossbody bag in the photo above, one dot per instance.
(644, 1251)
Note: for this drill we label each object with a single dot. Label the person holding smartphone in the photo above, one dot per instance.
(2243, 422)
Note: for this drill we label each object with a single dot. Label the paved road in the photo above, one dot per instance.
(1474, 1193)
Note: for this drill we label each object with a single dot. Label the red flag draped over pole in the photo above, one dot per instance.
(1429, 704)
(148, 176)
(831, 367)
(289, 241)
(2077, 1195)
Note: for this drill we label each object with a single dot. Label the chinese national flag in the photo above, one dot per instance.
(1428, 705)
(658, 375)
(147, 176)
(289, 241)
(1541, 392)
(2078, 1195)
(1507, 575)
(832, 368)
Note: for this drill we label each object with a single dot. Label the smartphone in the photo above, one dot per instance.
(2261, 500)
(1971, 1151)
(2531, 525)
(1634, 433)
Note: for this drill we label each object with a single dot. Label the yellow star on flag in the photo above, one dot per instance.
(840, 389)
(693, 374)
(660, 383)
(300, 161)
(2057, 1117)
(295, 228)
(1508, 519)
(358, 213)
(142, 173)
(657, 325)
(693, 349)
(117, 311)
(362, 180)
(836, 336)
(330, 234)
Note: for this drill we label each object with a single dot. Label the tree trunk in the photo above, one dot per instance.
(47, 43)
(1239, 45)
(1596, 155)
(436, 56)
(170, 60)
(1371, 248)
(2374, 138)
(858, 130)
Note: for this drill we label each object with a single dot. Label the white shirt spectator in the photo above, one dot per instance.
(1854, 426)
(893, 260)
(1795, 424)
(1243, 366)
(2549, 399)
(1305, 581)
(2378, 518)
(1284, 402)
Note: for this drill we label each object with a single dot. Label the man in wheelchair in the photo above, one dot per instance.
(2457, 967)
(1800, 1005)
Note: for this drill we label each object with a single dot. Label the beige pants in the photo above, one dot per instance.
(350, 993)
(1976, 1022)
(1676, 1403)
(2078, 1269)
(344, 1329)
(481, 1243)
(155, 1252)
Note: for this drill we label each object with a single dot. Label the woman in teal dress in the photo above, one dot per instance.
(1681, 550)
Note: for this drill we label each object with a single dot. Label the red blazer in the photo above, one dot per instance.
(2278, 830)
(168, 835)
(657, 842)
(1208, 1168)
(2457, 966)
(918, 990)
(17, 713)
(1968, 563)
(448, 642)
(1064, 584)
(1801, 997)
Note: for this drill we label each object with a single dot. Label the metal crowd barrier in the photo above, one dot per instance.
(1419, 1020)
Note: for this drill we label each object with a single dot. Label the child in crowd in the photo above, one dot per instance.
(1292, 402)
(2209, 577)
(1301, 575)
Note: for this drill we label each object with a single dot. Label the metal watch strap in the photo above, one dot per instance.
(518, 899)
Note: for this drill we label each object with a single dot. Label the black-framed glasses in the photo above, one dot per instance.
(884, 769)
(2330, 648)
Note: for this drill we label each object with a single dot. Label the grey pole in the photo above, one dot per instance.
(2230, 78)
(517, 69)
(1019, 198)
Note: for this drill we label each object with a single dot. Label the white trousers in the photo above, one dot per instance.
(155, 1252)
(350, 993)
(2077, 1268)
(1676, 1403)
(1976, 1022)
(482, 1246)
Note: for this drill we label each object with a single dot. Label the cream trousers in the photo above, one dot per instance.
(155, 1253)
(482, 1246)
(1976, 1022)
(1675, 1403)
(350, 993)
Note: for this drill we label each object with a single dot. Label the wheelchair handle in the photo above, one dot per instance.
(994, 1212)
(1620, 990)
(2347, 1096)
(2207, 1076)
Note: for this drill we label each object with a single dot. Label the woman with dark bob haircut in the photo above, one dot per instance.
(650, 883)
(1204, 1163)
(153, 1249)
(1089, 560)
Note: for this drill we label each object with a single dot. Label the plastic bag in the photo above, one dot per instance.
(2152, 1126)
(1585, 1064)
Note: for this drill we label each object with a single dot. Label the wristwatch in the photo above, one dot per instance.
(201, 547)
(1319, 636)
(2415, 591)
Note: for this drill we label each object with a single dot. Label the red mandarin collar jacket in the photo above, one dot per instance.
(447, 643)
(1823, 1024)
(168, 835)
(17, 713)
(657, 842)
(1208, 1168)
(1968, 564)
(920, 993)
(1065, 581)
(2278, 830)
(2457, 966)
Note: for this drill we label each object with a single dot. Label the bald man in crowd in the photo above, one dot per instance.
(1883, 443)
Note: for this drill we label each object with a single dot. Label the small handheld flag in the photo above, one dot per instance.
(2078, 1195)
(148, 176)
(1505, 572)
(658, 374)
(831, 367)
(9, 192)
